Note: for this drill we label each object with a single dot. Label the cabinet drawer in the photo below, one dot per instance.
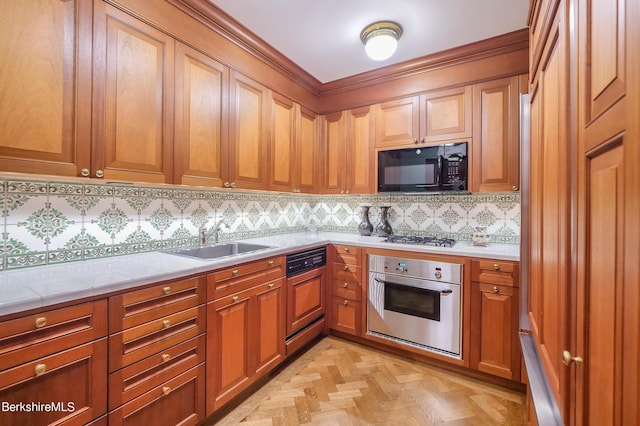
(343, 272)
(497, 289)
(34, 336)
(75, 376)
(495, 272)
(139, 342)
(247, 268)
(346, 315)
(137, 307)
(176, 401)
(347, 254)
(136, 379)
(347, 290)
(233, 280)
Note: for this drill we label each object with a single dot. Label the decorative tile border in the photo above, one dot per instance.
(53, 222)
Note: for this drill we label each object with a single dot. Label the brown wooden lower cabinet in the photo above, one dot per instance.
(494, 330)
(245, 339)
(305, 299)
(177, 401)
(75, 380)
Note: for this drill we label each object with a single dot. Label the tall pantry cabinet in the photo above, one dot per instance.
(585, 223)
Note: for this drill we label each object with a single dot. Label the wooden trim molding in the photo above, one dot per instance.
(475, 61)
(494, 46)
(244, 38)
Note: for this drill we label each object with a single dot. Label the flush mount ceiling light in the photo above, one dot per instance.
(381, 39)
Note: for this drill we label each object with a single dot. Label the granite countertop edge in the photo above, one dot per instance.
(41, 286)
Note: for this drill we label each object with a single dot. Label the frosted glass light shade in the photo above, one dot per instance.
(381, 39)
(381, 47)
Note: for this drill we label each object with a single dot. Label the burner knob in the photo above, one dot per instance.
(438, 274)
(400, 269)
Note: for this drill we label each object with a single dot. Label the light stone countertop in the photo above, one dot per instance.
(41, 286)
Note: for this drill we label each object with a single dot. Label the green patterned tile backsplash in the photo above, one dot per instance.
(51, 222)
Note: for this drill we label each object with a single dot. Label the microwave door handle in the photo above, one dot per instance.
(445, 292)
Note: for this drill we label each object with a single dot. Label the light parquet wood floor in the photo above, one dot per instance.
(342, 383)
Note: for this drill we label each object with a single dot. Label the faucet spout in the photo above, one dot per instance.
(216, 228)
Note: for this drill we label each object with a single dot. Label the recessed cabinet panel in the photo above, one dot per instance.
(307, 151)
(335, 170)
(269, 338)
(550, 219)
(45, 86)
(360, 153)
(248, 133)
(604, 291)
(75, 379)
(397, 122)
(605, 55)
(496, 152)
(200, 118)
(282, 144)
(446, 114)
(133, 138)
(228, 338)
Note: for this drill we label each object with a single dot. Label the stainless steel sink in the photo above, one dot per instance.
(218, 250)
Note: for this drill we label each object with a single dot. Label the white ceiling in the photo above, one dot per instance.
(323, 36)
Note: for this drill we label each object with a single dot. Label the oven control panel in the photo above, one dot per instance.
(417, 268)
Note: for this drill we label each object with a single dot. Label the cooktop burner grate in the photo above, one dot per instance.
(425, 241)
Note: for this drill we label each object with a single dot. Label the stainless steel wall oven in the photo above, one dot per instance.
(416, 302)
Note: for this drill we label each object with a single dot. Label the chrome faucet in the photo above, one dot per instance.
(215, 231)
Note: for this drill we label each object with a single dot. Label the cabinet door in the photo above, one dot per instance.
(282, 152)
(360, 153)
(45, 107)
(268, 328)
(201, 136)
(496, 143)
(397, 122)
(307, 151)
(305, 299)
(228, 331)
(445, 114)
(75, 380)
(133, 104)
(335, 161)
(550, 215)
(495, 348)
(248, 133)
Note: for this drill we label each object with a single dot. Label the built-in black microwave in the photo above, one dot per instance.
(435, 168)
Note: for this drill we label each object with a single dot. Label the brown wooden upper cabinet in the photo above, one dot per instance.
(45, 110)
(431, 117)
(133, 99)
(349, 156)
(282, 143)
(307, 151)
(292, 146)
(248, 133)
(201, 119)
(496, 141)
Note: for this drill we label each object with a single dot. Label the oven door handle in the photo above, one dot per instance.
(443, 292)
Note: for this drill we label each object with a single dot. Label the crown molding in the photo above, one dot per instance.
(245, 39)
(505, 43)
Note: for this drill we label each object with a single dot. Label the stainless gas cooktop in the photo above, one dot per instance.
(424, 241)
